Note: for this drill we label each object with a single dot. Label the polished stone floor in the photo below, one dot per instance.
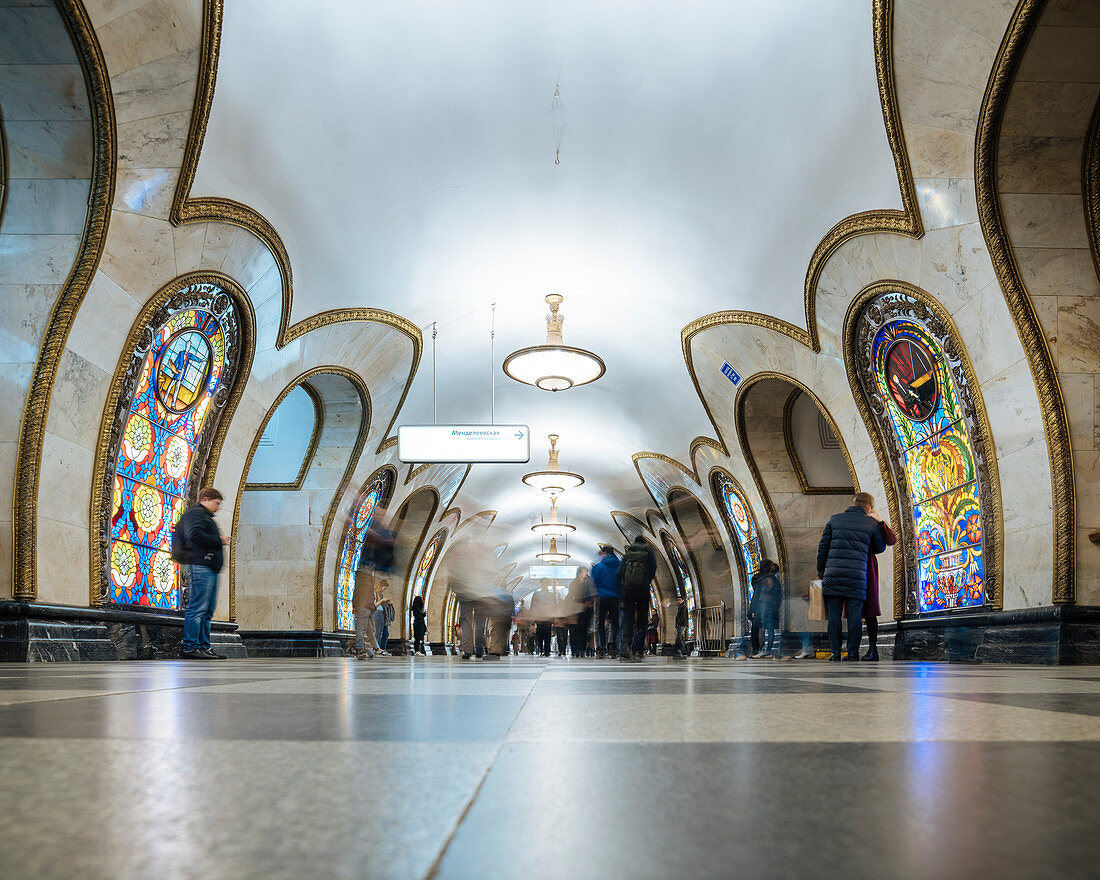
(434, 768)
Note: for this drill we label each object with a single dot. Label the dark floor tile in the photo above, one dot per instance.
(902, 810)
(185, 715)
(1074, 704)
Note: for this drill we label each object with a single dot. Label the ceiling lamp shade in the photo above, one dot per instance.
(554, 366)
(553, 480)
(552, 556)
(553, 527)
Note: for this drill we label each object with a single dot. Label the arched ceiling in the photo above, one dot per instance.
(405, 154)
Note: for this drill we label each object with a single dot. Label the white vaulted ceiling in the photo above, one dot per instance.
(405, 154)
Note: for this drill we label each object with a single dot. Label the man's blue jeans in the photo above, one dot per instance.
(200, 608)
(835, 606)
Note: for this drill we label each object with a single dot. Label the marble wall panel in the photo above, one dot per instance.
(33, 35)
(1086, 462)
(44, 91)
(189, 241)
(988, 332)
(102, 326)
(939, 152)
(103, 11)
(62, 562)
(955, 264)
(248, 260)
(218, 238)
(1062, 54)
(1057, 271)
(140, 256)
(37, 259)
(925, 38)
(67, 469)
(1045, 220)
(1071, 13)
(1028, 562)
(166, 85)
(49, 148)
(946, 202)
(153, 141)
(47, 207)
(1088, 573)
(1025, 479)
(1013, 408)
(1079, 334)
(145, 191)
(928, 98)
(1031, 163)
(8, 453)
(987, 18)
(1096, 412)
(5, 557)
(274, 543)
(24, 312)
(77, 401)
(1054, 109)
(148, 32)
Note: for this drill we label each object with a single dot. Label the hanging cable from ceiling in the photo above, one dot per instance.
(557, 122)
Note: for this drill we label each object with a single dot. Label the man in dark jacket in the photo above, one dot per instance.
(846, 542)
(605, 575)
(682, 618)
(636, 570)
(204, 544)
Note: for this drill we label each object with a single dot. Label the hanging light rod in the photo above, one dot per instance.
(553, 527)
(554, 366)
(552, 556)
(553, 480)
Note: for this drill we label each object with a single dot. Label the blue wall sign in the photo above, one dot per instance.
(730, 373)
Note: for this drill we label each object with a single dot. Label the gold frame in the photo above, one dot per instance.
(353, 460)
(97, 545)
(429, 522)
(311, 448)
(991, 217)
(1090, 185)
(712, 535)
(3, 168)
(32, 430)
(792, 452)
(211, 209)
(982, 438)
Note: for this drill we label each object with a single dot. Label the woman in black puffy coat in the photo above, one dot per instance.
(767, 595)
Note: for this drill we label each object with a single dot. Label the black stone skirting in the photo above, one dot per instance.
(296, 643)
(36, 631)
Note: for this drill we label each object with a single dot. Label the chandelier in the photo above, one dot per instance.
(553, 527)
(552, 556)
(553, 366)
(553, 480)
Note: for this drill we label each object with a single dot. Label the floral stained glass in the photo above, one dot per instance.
(175, 387)
(741, 522)
(427, 563)
(376, 491)
(923, 407)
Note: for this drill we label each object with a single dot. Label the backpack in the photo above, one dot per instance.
(634, 569)
(181, 550)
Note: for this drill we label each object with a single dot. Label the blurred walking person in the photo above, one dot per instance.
(419, 624)
(605, 575)
(871, 607)
(636, 571)
(767, 596)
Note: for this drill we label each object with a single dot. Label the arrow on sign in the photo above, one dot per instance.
(519, 435)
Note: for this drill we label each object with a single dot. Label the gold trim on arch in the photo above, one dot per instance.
(429, 524)
(1055, 421)
(905, 222)
(353, 460)
(796, 462)
(100, 465)
(209, 209)
(982, 437)
(32, 431)
(1090, 185)
(311, 448)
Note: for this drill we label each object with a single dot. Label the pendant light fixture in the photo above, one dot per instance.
(553, 557)
(553, 366)
(553, 527)
(553, 480)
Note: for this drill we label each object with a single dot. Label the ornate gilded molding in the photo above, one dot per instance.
(991, 217)
(210, 209)
(3, 168)
(629, 534)
(311, 448)
(905, 222)
(32, 432)
(796, 462)
(857, 366)
(410, 569)
(112, 422)
(387, 444)
(1090, 185)
(738, 554)
(490, 515)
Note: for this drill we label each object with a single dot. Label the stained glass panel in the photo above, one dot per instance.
(175, 384)
(427, 563)
(375, 491)
(686, 586)
(918, 390)
(741, 522)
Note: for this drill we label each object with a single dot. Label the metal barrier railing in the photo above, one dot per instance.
(710, 628)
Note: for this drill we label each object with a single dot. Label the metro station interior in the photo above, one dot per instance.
(712, 268)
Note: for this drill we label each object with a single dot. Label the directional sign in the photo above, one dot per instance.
(555, 572)
(730, 373)
(464, 443)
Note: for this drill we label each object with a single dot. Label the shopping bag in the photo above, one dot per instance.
(817, 601)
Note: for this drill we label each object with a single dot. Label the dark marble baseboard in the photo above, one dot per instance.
(296, 643)
(39, 632)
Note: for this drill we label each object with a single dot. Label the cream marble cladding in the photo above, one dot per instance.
(278, 532)
(151, 50)
(48, 153)
(1040, 157)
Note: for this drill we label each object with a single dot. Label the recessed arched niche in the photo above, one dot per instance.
(373, 496)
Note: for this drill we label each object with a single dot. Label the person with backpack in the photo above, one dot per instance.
(636, 571)
(605, 575)
(384, 615)
(197, 543)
